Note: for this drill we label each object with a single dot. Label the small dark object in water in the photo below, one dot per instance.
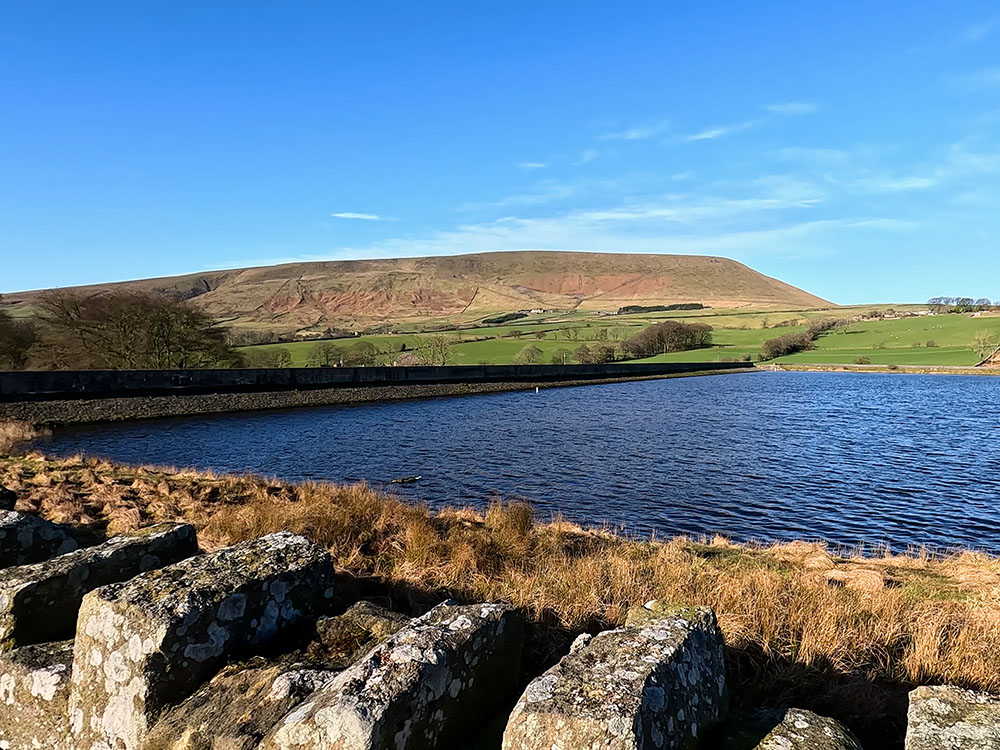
(405, 480)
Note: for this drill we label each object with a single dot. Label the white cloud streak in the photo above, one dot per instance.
(354, 215)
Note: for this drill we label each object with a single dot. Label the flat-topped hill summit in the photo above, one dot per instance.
(298, 295)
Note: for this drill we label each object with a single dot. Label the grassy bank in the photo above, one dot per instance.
(844, 636)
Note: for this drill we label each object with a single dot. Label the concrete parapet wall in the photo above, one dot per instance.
(36, 385)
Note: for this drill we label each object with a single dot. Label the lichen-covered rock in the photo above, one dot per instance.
(950, 718)
(342, 640)
(26, 539)
(148, 643)
(40, 602)
(786, 729)
(244, 701)
(237, 708)
(427, 686)
(658, 683)
(34, 689)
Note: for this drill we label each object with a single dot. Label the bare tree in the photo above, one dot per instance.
(529, 355)
(127, 330)
(439, 349)
(325, 354)
(16, 339)
(984, 344)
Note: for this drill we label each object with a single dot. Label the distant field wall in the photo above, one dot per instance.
(115, 395)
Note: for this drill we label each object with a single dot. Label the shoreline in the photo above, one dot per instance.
(890, 369)
(57, 412)
(847, 637)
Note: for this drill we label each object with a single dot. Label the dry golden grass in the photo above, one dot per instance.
(13, 434)
(846, 636)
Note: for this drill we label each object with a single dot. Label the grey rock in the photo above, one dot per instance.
(342, 640)
(656, 683)
(34, 690)
(40, 602)
(237, 708)
(428, 686)
(26, 539)
(786, 729)
(146, 644)
(950, 718)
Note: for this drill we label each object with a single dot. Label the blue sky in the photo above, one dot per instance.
(850, 148)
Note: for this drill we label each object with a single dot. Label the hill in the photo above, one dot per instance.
(315, 295)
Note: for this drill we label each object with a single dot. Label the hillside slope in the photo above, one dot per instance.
(336, 293)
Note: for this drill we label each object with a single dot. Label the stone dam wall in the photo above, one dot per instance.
(113, 395)
(140, 642)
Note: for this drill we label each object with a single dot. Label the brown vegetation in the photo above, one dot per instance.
(843, 635)
(341, 294)
(119, 330)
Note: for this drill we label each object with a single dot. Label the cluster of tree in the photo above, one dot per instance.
(791, 343)
(115, 330)
(632, 309)
(433, 350)
(960, 304)
(818, 327)
(252, 337)
(668, 336)
(782, 346)
(505, 318)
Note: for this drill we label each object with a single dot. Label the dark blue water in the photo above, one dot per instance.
(850, 458)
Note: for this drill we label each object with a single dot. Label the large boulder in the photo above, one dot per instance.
(40, 602)
(148, 643)
(34, 691)
(950, 718)
(428, 686)
(657, 683)
(26, 539)
(236, 709)
(786, 729)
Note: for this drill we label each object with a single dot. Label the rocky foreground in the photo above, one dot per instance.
(142, 642)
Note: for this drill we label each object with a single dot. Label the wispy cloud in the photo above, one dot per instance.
(638, 133)
(588, 155)
(792, 108)
(718, 132)
(362, 217)
(532, 165)
(976, 32)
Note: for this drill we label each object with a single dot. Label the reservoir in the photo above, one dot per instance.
(854, 459)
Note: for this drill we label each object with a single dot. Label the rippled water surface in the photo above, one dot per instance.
(908, 460)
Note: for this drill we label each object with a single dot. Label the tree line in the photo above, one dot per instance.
(113, 331)
(123, 329)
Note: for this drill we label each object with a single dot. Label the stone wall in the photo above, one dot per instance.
(250, 648)
(31, 384)
(52, 411)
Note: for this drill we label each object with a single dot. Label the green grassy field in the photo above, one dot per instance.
(736, 334)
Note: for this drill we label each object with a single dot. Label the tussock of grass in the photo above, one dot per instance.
(846, 636)
(14, 434)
